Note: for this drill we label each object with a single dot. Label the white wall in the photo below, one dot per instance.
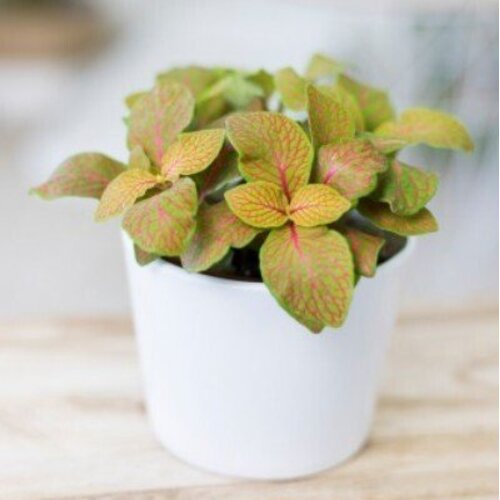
(55, 260)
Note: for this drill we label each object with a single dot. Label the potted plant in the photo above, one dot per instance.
(243, 192)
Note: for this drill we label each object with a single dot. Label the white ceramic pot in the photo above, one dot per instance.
(235, 386)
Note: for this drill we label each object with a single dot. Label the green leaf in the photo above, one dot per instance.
(430, 127)
(210, 111)
(164, 223)
(272, 148)
(321, 66)
(385, 145)
(348, 101)
(350, 166)
(406, 189)
(122, 192)
(158, 117)
(234, 88)
(241, 92)
(365, 249)
(329, 119)
(259, 204)
(380, 214)
(131, 99)
(192, 152)
(309, 271)
(217, 230)
(143, 258)
(316, 205)
(196, 78)
(221, 174)
(264, 80)
(292, 89)
(139, 159)
(374, 103)
(85, 175)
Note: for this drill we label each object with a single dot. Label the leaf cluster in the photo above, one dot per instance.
(302, 169)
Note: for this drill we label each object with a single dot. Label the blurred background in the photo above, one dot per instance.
(65, 67)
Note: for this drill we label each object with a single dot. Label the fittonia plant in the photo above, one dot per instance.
(296, 176)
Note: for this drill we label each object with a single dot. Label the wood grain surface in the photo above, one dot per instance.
(72, 424)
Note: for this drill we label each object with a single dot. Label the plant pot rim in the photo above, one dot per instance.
(162, 266)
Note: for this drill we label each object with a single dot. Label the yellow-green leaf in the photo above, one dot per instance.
(329, 119)
(350, 166)
(292, 89)
(85, 175)
(158, 117)
(316, 205)
(235, 88)
(139, 159)
(131, 99)
(196, 78)
(380, 214)
(430, 127)
(192, 152)
(259, 204)
(164, 223)
(210, 111)
(321, 66)
(242, 92)
(348, 101)
(385, 145)
(406, 189)
(122, 192)
(310, 273)
(365, 249)
(374, 103)
(272, 148)
(264, 80)
(217, 230)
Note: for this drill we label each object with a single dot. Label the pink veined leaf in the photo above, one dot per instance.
(316, 205)
(122, 192)
(428, 126)
(164, 223)
(259, 204)
(350, 166)
(374, 103)
(365, 249)
(85, 175)
(329, 119)
(158, 117)
(217, 230)
(348, 101)
(407, 189)
(272, 148)
(380, 214)
(192, 152)
(309, 271)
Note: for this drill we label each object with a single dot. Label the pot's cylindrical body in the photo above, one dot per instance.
(236, 386)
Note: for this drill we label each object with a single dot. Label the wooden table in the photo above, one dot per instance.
(72, 423)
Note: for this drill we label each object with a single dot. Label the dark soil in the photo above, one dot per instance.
(243, 264)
